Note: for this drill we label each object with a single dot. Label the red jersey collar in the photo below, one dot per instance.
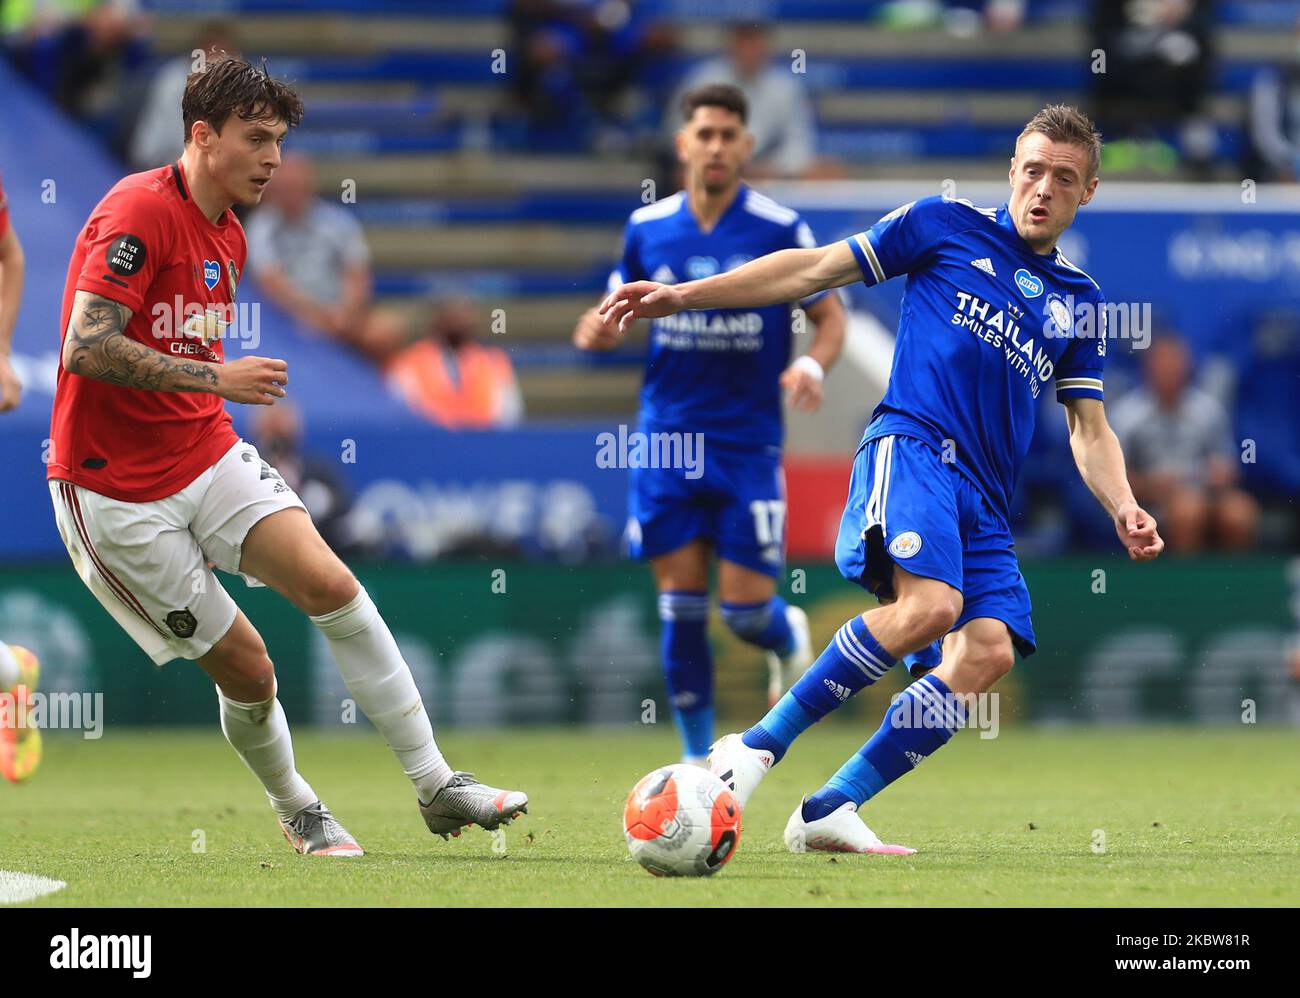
(182, 186)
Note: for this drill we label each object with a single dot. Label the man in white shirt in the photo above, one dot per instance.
(1183, 459)
(781, 118)
(312, 260)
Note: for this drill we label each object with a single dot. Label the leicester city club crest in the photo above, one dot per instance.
(1060, 315)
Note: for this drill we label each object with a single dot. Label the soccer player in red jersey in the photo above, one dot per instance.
(20, 744)
(151, 485)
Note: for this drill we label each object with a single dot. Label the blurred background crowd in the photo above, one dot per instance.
(455, 195)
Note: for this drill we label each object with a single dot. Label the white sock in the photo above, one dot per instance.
(380, 681)
(259, 732)
(8, 668)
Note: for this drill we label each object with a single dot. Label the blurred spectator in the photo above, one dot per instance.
(1266, 416)
(1273, 123)
(312, 260)
(963, 18)
(68, 47)
(453, 380)
(159, 134)
(781, 118)
(576, 64)
(1182, 460)
(277, 433)
(1158, 75)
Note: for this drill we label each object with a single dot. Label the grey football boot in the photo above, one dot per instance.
(465, 801)
(314, 831)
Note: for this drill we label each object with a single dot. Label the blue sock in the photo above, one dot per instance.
(851, 662)
(688, 666)
(761, 624)
(919, 722)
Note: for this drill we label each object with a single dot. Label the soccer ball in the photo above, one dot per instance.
(681, 821)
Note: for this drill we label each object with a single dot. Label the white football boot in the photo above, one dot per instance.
(783, 672)
(465, 801)
(843, 830)
(314, 831)
(740, 767)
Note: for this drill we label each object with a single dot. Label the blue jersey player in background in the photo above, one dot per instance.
(712, 395)
(992, 315)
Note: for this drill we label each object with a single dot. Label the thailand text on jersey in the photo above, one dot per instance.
(986, 324)
(148, 246)
(714, 371)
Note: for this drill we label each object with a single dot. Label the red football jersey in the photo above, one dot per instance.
(4, 212)
(148, 246)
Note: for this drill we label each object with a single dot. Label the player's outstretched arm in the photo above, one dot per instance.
(1101, 463)
(784, 276)
(96, 347)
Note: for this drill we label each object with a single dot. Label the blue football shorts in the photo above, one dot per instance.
(908, 507)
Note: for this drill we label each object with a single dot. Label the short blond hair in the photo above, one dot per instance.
(1062, 123)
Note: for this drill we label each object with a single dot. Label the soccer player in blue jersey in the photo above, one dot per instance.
(713, 385)
(991, 313)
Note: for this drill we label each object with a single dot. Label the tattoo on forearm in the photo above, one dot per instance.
(97, 347)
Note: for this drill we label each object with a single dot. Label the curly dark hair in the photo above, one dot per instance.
(723, 95)
(230, 85)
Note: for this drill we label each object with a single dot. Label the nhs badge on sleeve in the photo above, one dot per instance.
(1029, 285)
(211, 273)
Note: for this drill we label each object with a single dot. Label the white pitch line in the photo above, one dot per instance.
(17, 887)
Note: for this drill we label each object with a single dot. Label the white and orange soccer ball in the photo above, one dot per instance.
(681, 821)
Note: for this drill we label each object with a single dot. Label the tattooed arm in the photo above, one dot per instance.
(97, 347)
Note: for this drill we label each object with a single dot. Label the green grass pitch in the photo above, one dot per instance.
(1061, 817)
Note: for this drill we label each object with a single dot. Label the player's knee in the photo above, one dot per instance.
(747, 621)
(239, 664)
(258, 686)
(930, 616)
(245, 674)
(327, 590)
(989, 661)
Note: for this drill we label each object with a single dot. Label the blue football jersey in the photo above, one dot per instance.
(714, 371)
(986, 323)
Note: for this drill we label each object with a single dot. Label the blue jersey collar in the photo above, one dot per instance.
(737, 205)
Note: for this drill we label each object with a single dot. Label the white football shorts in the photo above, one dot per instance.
(147, 562)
